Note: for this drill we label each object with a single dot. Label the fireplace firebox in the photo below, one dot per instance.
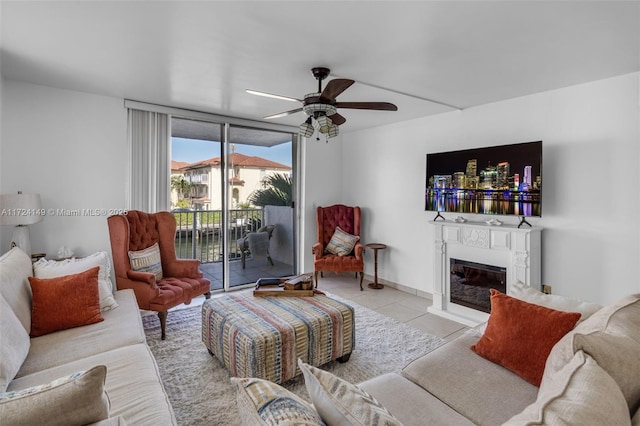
(470, 283)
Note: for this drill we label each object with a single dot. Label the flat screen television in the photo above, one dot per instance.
(497, 180)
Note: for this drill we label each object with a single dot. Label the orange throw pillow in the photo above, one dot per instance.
(519, 335)
(65, 302)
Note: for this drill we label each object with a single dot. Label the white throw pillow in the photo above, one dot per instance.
(553, 301)
(54, 269)
(582, 393)
(15, 270)
(14, 344)
(341, 403)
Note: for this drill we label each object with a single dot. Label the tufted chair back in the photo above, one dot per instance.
(143, 230)
(139, 230)
(347, 218)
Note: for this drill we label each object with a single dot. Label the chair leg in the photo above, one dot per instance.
(269, 259)
(207, 295)
(315, 276)
(242, 257)
(361, 277)
(163, 324)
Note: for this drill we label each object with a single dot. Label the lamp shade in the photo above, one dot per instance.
(306, 129)
(333, 131)
(323, 123)
(20, 209)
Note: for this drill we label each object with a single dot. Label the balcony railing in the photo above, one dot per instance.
(199, 233)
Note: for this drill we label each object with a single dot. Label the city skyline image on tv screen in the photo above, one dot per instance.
(501, 180)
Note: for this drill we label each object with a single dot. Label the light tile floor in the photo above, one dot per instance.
(397, 304)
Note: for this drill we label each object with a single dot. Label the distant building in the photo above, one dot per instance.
(246, 175)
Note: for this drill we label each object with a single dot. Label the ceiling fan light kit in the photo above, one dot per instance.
(322, 108)
(306, 129)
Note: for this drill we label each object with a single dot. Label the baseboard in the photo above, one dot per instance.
(400, 287)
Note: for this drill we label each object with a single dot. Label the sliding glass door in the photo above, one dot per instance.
(232, 195)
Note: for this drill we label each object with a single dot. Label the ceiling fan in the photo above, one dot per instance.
(321, 107)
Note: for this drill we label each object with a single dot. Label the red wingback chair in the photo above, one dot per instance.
(182, 279)
(348, 219)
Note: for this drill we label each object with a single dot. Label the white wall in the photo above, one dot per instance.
(591, 195)
(71, 148)
(321, 185)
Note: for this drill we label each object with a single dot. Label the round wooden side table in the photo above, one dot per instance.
(376, 247)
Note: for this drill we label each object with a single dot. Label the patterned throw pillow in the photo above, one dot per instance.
(341, 243)
(339, 402)
(78, 399)
(147, 260)
(262, 402)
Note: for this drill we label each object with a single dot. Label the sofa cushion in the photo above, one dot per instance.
(261, 402)
(14, 344)
(520, 335)
(581, 393)
(619, 356)
(341, 242)
(342, 403)
(553, 301)
(454, 369)
(133, 383)
(52, 269)
(620, 318)
(77, 399)
(410, 403)
(15, 268)
(64, 302)
(121, 327)
(147, 260)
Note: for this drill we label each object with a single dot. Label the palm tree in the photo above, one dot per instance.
(276, 193)
(181, 185)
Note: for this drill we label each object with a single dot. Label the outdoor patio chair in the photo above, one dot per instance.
(256, 243)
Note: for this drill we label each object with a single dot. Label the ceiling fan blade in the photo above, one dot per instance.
(382, 106)
(334, 88)
(282, 114)
(271, 95)
(337, 119)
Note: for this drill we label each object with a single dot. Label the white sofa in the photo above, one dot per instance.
(134, 391)
(591, 376)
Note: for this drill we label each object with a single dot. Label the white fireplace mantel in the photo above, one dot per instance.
(515, 249)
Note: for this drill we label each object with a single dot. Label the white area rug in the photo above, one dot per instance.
(198, 384)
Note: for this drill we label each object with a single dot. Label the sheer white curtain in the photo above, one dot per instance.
(149, 160)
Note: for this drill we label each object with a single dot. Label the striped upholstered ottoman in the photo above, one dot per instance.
(263, 337)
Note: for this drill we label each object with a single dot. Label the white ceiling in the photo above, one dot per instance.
(203, 55)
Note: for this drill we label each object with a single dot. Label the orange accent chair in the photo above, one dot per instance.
(182, 279)
(348, 219)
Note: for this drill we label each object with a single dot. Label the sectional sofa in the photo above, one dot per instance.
(590, 377)
(101, 373)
